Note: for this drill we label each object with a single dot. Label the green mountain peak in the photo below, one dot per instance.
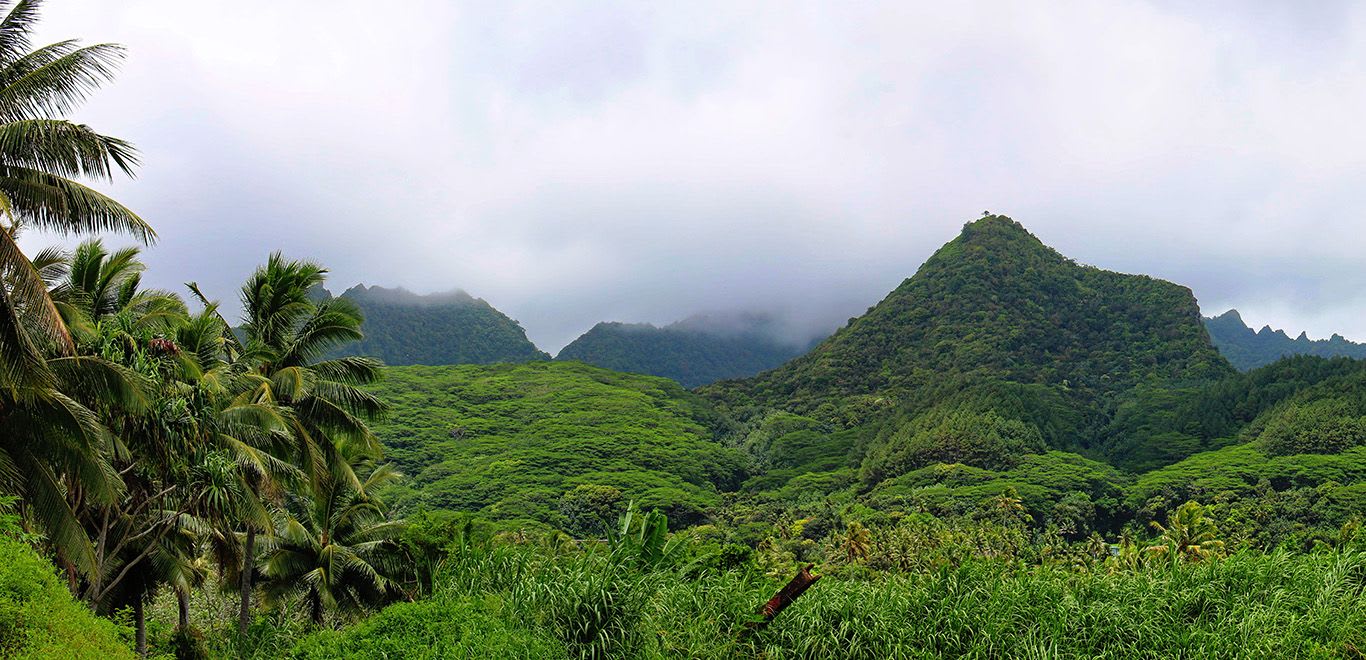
(997, 303)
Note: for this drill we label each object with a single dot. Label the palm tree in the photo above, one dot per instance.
(96, 286)
(194, 461)
(1008, 509)
(47, 437)
(115, 322)
(857, 543)
(328, 547)
(1188, 535)
(279, 363)
(41, 159)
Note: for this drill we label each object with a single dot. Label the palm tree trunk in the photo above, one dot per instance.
(182, 597)
(71, 582)
(140, 619)
(315, 605)
(248, 565)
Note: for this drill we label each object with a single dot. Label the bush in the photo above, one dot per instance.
(40, 619)
(1324, 426)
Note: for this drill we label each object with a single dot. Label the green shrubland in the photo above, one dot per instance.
(39, 618)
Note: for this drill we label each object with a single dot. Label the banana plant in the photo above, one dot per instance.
(643, 540)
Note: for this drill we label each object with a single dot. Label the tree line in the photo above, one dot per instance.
(146, 444)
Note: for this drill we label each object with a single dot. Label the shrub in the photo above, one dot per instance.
(40, 619)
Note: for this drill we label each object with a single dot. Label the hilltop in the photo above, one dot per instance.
(996, 303)
(695, 351)
(403, 328)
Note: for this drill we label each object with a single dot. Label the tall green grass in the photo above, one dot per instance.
(514, 601)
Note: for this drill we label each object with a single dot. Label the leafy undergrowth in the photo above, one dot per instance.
(438, 628)
(40, 619)
(525, 602)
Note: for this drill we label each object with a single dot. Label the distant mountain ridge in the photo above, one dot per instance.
(1247, 349)
(405, 328)
(698, 350)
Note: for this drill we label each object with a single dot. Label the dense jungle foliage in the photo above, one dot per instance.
(442, 328)
(534, 443)
(1248, 350)
(694, 351)
(39, 618)
(916, 588)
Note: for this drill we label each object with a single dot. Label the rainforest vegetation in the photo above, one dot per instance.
(1012, 455)
(695, 351)
(402, 327)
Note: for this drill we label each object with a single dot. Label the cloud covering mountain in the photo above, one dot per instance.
(573, 162)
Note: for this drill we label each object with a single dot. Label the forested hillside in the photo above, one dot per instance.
(402, 327)
(1247, 349)
(695, 351)
(534, 443)
(1005, 414)
(996, 303)
(987, 392)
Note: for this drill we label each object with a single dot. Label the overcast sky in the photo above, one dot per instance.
(578, 162)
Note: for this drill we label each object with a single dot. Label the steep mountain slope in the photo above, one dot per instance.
(695, 351)
(540, 442)
(1248, 350)
(996, 303)
(402, 328)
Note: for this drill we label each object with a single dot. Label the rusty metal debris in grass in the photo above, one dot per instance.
(785, 596)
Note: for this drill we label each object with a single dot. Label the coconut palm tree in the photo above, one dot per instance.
(50, 443)
(42, 159)
(328, 547)
(856, 543)
(1189, 535)
(96, 285)
(279, 363)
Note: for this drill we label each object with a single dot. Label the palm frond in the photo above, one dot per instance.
(16, 29)
(54, 80)
(65, 149)
(61, 205)
(333, 323)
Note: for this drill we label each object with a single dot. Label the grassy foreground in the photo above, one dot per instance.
(40, 619)
(515, 601)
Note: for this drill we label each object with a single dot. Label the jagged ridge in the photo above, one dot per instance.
(1248, 350)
